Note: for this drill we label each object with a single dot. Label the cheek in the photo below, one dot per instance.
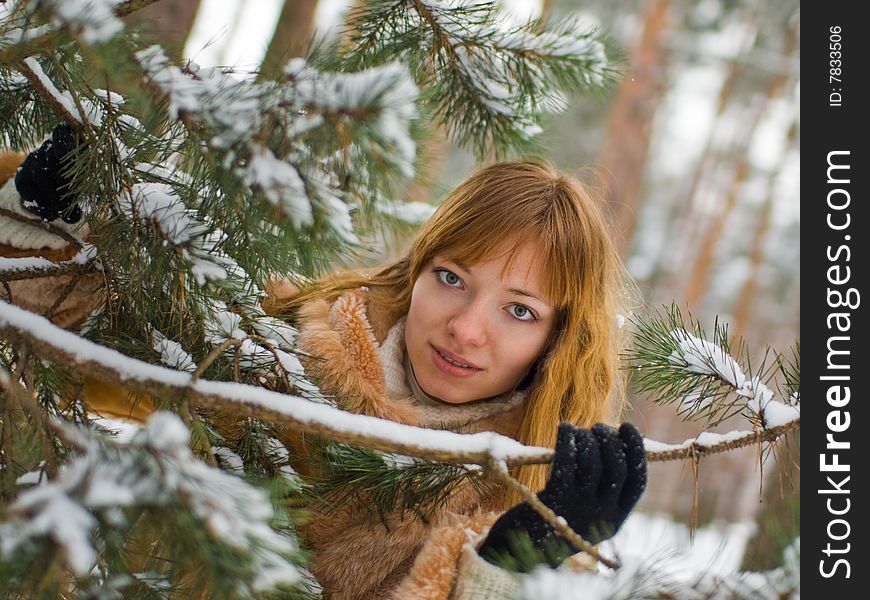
(420, 312)
(520, 351)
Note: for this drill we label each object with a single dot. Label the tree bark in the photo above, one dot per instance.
(703, 263)
(629, 125)
(292, 35)
(168, 23)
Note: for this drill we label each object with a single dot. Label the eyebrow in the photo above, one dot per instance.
(526, 294)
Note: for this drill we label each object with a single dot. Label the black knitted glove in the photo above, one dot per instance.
(40, 181)
(598, 476)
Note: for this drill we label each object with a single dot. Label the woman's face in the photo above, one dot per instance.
(471, 334)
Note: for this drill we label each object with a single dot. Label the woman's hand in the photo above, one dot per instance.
(41, 182)
(598, 476)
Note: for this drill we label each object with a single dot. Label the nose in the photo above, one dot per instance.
(468, 326)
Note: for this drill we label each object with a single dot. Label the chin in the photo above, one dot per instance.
(449, 395)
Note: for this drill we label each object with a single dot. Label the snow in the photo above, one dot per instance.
(171, 353)
(155, 469)
(656, 554)
(777, 413)
(94, 20)
(159, 204)
(229, 460)
(165, 432)
(387, 90)
(223, 325)
(46, 511)
(280, 183)
(704, 358)
(706, 439)
(279, 332)
(64, 100)
(85, 254)
(296, 409)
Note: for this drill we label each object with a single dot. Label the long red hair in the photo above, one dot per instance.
(577, 379)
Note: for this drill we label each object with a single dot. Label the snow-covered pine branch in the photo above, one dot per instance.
(651, 578)
(489, 82)
(672, 360)
(55, 344)
(111, 492)
(12, 269)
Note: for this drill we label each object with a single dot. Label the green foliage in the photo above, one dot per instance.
(487, 83)
(197, 185)
(388, 483)
(672, 361)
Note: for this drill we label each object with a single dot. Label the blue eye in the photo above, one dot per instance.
(448, 278)
(521, 313)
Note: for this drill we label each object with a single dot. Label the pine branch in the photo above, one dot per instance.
(387, 483)
(43, 226)
(86, 358)
(673, 360)
(17, 269)
(53, 343)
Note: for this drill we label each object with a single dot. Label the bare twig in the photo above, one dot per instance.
(213, 355)
(55, 270)
(65, 235)
(72, 119)
(131, 6)
(552, 518)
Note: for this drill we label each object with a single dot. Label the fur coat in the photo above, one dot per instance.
(355, 556)
(65, 299)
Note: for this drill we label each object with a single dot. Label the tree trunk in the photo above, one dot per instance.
(743, 312)
(292, 35)
(702, 266)
(168, 23)
(629, 124)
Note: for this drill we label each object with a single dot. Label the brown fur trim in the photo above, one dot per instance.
(357, 557)
(348, 318)
(434, 572)
(9, 163)
(115, 401)
(39, 295)
(344, 358)
(65, 253)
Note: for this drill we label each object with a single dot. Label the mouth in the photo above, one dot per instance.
(448, 359)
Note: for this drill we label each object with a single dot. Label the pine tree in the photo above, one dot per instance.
(198, 185)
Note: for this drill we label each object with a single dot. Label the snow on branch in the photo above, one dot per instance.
(93, 20)
(679, 365)
(14, 269)
(155, 470)
(87, 358)
(61, 102)
(700, 357)
(158, 204)
(655, 578)
(490, 82)
(383, 99)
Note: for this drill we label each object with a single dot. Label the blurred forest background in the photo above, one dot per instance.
(696, 152)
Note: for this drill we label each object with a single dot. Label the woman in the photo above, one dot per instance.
(501, 317)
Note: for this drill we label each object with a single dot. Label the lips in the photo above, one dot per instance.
(453, 362)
